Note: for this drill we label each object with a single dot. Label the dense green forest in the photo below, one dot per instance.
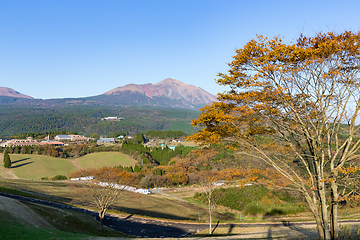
(15, 120)
(165, 134)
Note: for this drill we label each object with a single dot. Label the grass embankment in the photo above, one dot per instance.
(30, 166)
(31, 221)
(152, 206)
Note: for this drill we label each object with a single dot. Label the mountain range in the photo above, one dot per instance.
(169, 93)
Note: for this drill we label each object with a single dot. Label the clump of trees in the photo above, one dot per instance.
(165, 134)
(155, 156)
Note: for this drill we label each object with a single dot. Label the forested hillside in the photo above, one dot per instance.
(86, 120)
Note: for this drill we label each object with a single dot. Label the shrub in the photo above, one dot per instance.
(254, 209)
(59, 177)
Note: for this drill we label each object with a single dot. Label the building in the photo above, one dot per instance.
(112, 118)
(20, 142)
(73, 138)
(106, 140)
(76, 138)
(62, 138)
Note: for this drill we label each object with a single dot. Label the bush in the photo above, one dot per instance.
(254, 209)
(256, 199)
(59, 177)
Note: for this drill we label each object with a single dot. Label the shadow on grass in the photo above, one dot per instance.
(21, 165)
(141, 212)
(20, 160)
(132, 228)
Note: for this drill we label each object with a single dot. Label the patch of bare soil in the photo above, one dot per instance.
(6, 172)
(76, 164)
(23, 213)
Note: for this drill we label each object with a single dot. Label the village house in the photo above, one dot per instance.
(73, 138)
(112, 118)
(62, 138)
(106, 140)
(20, 142)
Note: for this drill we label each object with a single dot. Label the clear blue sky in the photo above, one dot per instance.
(78, 48)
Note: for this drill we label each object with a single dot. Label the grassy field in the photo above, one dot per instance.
(30, 166)
(154, 206)
(36, 166)
(105, 159)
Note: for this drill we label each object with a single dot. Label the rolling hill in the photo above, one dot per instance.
(30, 166)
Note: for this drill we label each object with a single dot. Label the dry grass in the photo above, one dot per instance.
(130, 204)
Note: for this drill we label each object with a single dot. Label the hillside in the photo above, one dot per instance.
(87, 120)
(169, 104)
(30, 166)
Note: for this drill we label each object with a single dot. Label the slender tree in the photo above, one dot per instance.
(7, 160)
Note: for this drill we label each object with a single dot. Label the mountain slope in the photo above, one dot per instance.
(167, 93)
(9, 92)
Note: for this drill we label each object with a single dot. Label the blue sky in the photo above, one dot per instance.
(78, 48)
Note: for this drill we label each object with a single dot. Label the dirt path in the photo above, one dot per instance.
(76, 164)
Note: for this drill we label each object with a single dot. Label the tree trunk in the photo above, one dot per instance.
(210, 218)
(101, 224)
(324, 210)
(314, 207)
(101, 217)
(333, 211)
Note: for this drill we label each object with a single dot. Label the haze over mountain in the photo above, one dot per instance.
(169, 93)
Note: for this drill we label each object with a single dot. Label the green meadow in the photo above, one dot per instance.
(105, 159)
(30, 166)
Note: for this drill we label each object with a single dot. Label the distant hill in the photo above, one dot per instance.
(9, 92)
(169, 93)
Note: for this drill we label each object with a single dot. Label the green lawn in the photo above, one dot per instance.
(104, 159)
(35, 166)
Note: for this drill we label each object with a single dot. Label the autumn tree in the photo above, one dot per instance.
(302, 96)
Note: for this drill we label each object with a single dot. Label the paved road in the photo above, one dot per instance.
(150, 228)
